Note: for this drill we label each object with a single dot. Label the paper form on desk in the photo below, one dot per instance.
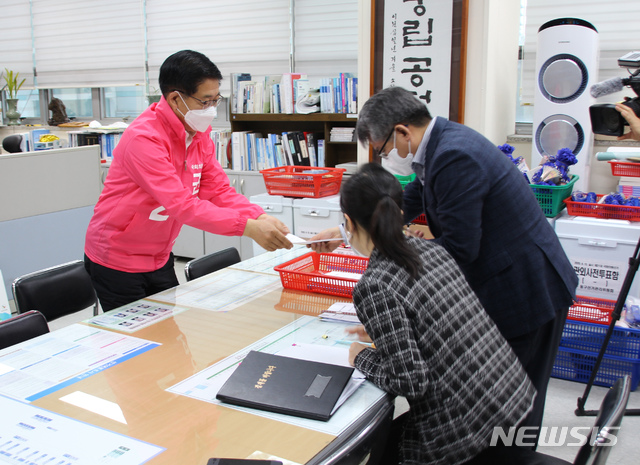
(221, 291)
(327, 354)
(134, 316)
(344, 312)
(55, 360)
(264, 262)
(305, 330)
(29, 434)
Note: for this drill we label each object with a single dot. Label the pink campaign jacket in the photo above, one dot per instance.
(155, 186)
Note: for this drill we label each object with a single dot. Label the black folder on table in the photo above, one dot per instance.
(286, 385)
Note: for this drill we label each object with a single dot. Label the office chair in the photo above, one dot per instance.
(22, 328)
(12, 143)
(591, 453)
(209, 263)
(56, 291)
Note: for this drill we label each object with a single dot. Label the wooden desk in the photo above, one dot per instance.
(191, 430)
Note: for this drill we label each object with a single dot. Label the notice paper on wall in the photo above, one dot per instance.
(29, 434)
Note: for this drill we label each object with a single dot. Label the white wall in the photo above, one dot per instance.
(492, 68)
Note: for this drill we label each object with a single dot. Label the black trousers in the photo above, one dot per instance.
(537, 352)
(117, 288)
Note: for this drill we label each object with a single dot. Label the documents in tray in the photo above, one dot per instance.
(344, 312)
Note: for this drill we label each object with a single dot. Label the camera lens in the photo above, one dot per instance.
(611, 120)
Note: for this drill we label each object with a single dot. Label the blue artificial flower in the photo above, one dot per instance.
(632, 202)
(566, 157)
(579, 196)
(506, 149)
(614, 199)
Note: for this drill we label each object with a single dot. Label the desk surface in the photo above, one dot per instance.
(191, 430)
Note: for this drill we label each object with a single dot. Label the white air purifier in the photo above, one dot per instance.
(566, 68)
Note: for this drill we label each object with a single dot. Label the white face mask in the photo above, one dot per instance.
(395, 164)
(199, 120)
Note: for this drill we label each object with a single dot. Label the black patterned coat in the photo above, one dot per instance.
(436, 346)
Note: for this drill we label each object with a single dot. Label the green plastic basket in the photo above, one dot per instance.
(551, 198)
(404, 180)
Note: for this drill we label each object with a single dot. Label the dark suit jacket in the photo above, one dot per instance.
(481, 209)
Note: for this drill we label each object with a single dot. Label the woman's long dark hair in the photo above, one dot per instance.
(373, 200)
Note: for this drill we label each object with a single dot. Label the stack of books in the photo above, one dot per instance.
(251, 151)
(341, 134)
(107, 140)
(629, 186)
(282, 94)
(339, 95)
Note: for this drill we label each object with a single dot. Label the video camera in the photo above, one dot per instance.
(605, 119)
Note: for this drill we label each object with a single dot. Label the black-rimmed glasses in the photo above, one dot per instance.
(380, 152)
(205, 103)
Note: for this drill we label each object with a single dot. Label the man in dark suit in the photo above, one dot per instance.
(480, 208)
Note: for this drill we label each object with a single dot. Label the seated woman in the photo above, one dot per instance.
(433, 342)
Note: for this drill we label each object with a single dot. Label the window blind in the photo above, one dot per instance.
(326, 37)
(617, 26)
(88, 44)
(15, 40)
(238, 36)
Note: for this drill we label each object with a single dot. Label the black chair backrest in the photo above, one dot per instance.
(608, 420)
(22, 327)
(209, 263)
(55, 291)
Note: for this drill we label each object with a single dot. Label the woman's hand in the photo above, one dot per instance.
(328, 246)
(631, 118)
(360, 332)
(354, 350)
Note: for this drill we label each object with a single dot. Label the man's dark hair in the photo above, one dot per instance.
(185, 71)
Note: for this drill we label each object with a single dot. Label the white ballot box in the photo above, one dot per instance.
(310, 216)
(277, 206)
(599, 250)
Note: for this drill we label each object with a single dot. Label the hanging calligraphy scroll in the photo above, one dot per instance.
(420, 45)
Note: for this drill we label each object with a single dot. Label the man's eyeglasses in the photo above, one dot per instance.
(381, 152)
(205, 103)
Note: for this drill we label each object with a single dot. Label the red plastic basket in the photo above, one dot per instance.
(592, 310)
(303, 181)
(624, 168)
(422, 219)
(310, 272)
(601, 210)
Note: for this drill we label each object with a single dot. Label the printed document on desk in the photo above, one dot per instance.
(134, 316)
(37, 367)
(305, 330)
(264, 262)
(344, 312)
(221, 291)
(29, 434)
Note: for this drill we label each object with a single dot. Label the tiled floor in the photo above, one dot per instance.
(561, 403)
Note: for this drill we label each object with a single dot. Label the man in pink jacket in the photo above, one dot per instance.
(165, 174)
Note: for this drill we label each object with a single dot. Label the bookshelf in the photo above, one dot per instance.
(265, 123)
